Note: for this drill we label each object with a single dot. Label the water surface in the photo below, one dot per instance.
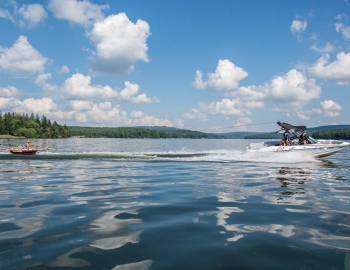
(171, 204)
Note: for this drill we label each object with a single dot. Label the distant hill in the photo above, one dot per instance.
(329, 127)
(238, 134)
(140, 132)
(321, 132)
(327, 132)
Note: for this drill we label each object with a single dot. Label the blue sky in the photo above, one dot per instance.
(207, 65)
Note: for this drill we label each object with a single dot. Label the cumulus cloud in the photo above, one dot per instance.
(119, 43)
(6, 102)
(105, 113)
(235, 109)
(130, 93)
(80, 86)
(343, 29)
(228, 107)
(293, 87)
(80, 105)
(196, 113)
(225, 107)
(42, 81)
(298, 26)
(81, 111)
(81, 12)
(226, 77)
(39, 106)
(32, 14)
(9, 91)
(328, 108)
(22, 58)
(26, 15)
(142, 119)
(339, 69)
(331, 108)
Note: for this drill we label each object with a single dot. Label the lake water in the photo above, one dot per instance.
(171, 204)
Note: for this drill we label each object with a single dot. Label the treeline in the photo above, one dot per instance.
(336, 134)
(31, 126)
(136, 132)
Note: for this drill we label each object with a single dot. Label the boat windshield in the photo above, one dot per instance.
(312, 140)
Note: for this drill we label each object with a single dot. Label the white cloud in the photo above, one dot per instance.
(327, 48)
(195, 114)
(21, 57)
(5, 14)
(343, 29)
(130, 91)
(339, 69)
(331, 108)
(226, 77)
(119, 43)
(42, 81)
(80, 105)
(143, 98)
(7, 102)
(225, 107)
(42, 78)
(32, 14)
(292, 87)
(79, 85)
(9, 91)
(253, 104)
(40, 106)
(298, 26)
(242, 123)
(82, 111)
(81, 12)
(328, 108)
(105, 113)
(141, 119)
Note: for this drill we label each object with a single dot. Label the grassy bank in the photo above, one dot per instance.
(8, 136)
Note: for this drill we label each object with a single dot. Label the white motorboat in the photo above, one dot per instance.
(296, 139)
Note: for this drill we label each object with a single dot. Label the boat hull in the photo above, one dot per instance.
(318, 150)
(23, 152)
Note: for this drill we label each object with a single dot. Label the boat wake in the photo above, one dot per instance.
(190, 156)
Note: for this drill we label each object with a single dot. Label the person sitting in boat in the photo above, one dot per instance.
(304, 138)
(27, 145)
(285, 141)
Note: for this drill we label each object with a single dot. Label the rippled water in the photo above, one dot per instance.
(172, 204)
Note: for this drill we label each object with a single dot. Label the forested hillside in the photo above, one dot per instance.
(35, 126)
(138, 132)
(31, 126)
